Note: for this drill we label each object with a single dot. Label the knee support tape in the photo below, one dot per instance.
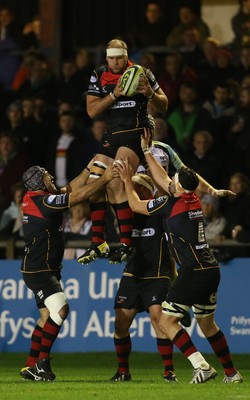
(174, 309)
(202, 311)
(97, 169)
(54, 303)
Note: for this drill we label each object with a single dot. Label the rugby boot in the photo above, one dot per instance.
(170, 377)
(44, 370)
(201, 375)
(30, 373)
(235, 378)
(121, 377)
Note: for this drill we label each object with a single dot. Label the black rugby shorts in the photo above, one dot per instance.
(140, 294)
(130, 139)
(43, 285)
(194, 287)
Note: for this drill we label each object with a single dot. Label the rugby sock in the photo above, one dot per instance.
(218, 342)
(36, 339)
(97, 213)
(184, 343)
(125, 219)
(50, 332)
(123, 349)
(165, 348)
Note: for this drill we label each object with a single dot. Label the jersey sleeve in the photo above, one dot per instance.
(56, 201)
(174, 159)
(152, 80)
(94, 88)
(158, 206)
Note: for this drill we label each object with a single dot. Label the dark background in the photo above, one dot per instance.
(24, 10)
(91, 23)
(95, 22)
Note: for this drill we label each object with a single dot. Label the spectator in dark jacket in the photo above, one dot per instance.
(10, 47)
(68, 152)
(13, 163)
(188, 19)
(236, 209)
(241, 25)
(175, 74)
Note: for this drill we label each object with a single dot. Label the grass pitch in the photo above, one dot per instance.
(86, 376)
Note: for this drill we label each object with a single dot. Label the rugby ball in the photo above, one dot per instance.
(130, 80)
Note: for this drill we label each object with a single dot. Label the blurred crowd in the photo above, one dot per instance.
(43, 117)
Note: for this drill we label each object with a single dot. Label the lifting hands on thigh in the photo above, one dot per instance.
(117, 185)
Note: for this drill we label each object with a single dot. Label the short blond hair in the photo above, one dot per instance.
(117, 43)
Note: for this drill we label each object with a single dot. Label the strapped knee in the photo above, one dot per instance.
(97, 170)
(202, 311)
(54, 304)
(174, 309)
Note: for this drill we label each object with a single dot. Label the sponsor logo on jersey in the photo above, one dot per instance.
(201, 246)
(61, 199)
(93, 88)
(93, 79)
(51, 198)
(160, 200)
(155, 203)
(143, 232)
(125, 104)
(195, 214)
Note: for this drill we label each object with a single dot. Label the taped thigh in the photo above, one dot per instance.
(54, 303)
(202, 311)
(97, 170)
(174, 309)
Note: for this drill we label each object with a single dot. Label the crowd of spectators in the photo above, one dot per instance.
(43, 118)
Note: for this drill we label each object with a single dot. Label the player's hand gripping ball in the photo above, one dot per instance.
(130, 80)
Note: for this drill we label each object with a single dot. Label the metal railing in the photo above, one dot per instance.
(12, 245)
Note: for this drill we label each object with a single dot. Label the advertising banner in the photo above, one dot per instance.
(91, 290)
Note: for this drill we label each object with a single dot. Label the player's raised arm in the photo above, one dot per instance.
(159, 175)
(205, 187)
(126, 172)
